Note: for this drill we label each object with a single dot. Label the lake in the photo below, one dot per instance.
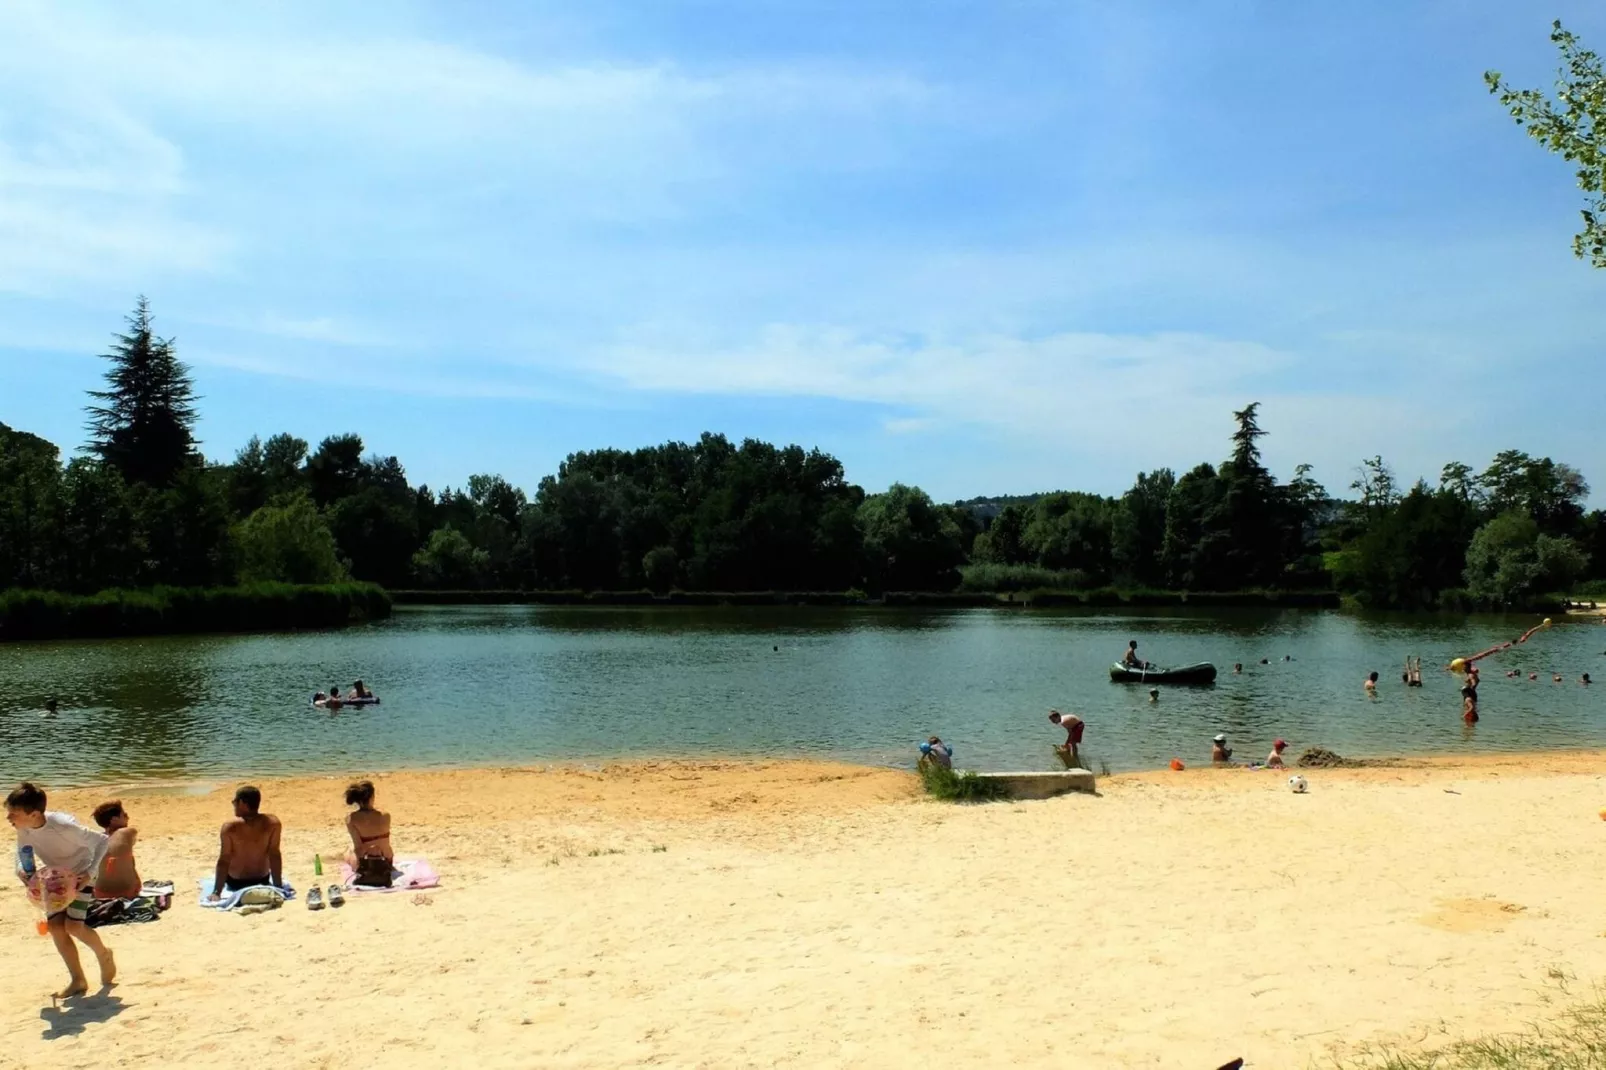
(477, 685)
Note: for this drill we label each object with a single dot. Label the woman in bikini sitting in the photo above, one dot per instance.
(372, 857)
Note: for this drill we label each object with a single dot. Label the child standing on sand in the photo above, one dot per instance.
(55, 840)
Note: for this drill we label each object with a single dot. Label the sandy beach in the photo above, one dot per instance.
(795, 914)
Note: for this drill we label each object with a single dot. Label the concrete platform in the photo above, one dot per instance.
(1042, 785)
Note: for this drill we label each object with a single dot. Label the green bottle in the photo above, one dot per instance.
(317, 865)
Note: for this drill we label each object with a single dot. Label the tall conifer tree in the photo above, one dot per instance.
(143, 424)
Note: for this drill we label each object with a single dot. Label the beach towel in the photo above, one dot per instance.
(154, 897)
(231, 900)
(406, 875)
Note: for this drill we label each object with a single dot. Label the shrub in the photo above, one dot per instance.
(996, 577)
(950, 786)
(26, 614)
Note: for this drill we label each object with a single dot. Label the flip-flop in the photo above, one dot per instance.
(337, 898)
(315, 900)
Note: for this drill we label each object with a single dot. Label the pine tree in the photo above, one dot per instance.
(144, 424)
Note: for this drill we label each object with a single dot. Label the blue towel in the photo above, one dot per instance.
(230, 900)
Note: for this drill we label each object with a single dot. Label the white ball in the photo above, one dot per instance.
(1297, 784)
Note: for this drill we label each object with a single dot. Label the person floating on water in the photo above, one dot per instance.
(1219, 751)
(1238, 668)
(1074, 727)
(1371, 683)
(359, 691)
(1584, 679)
(1130, 659)
(935, 752)
(50, 707)
(1154, 694)
(1274, 760)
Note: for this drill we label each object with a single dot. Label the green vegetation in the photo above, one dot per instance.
(713, 521)
(28, 614)
(950, 786)
(1572, 125)
(1575, 1041)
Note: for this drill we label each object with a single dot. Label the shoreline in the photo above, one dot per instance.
(1565, 759)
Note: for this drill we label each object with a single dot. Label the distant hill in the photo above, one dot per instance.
(989, 506)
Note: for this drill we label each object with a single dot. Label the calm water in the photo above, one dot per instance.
(478, 685)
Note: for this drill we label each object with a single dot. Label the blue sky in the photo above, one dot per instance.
(985, 248)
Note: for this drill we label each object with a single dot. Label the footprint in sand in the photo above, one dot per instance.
(1471, 915)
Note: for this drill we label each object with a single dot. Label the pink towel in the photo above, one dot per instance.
(407, 875)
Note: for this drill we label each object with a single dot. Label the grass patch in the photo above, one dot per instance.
(950, 786)
(1574, 1041)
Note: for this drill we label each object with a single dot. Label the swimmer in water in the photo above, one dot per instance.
(1154, 694)
(1238, 668)
(1371, 684)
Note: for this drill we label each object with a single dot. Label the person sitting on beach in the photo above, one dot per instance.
(1074, 727)
(53, 840)
(935, 752)
(1274, 760)
(1371, 684)
(371, 857)
(1130, 659)
(250, 847)
(1219, 751)
(119, 876)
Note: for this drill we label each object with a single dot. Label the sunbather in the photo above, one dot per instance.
(250, 849)
(371, 857)
(119, 876)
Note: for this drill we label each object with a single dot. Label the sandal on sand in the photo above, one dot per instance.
(337, 898)
(315, 900)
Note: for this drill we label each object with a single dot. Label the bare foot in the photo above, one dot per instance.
(77, 987)
(108, 968)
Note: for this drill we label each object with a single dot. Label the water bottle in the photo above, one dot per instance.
(25, 862)
(317, 865)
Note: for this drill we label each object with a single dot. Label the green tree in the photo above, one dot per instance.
(144, 426)
(30, 496)
(449, 561)
(288, 542)
(1510, 561)
(1003, 541)
(336, 470)
(1071, 531)
(1137, 531)
(102, 538)
(1408, 555)
(909, 543)
(1571, 125)
(1182, 554)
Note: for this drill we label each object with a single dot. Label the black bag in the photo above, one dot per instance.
(373, 871)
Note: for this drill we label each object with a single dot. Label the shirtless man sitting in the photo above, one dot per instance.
(250, 851)
(118, 877)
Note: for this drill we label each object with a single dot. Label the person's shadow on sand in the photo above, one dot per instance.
(70, 1017)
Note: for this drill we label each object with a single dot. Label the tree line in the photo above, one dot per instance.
(140, 507)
